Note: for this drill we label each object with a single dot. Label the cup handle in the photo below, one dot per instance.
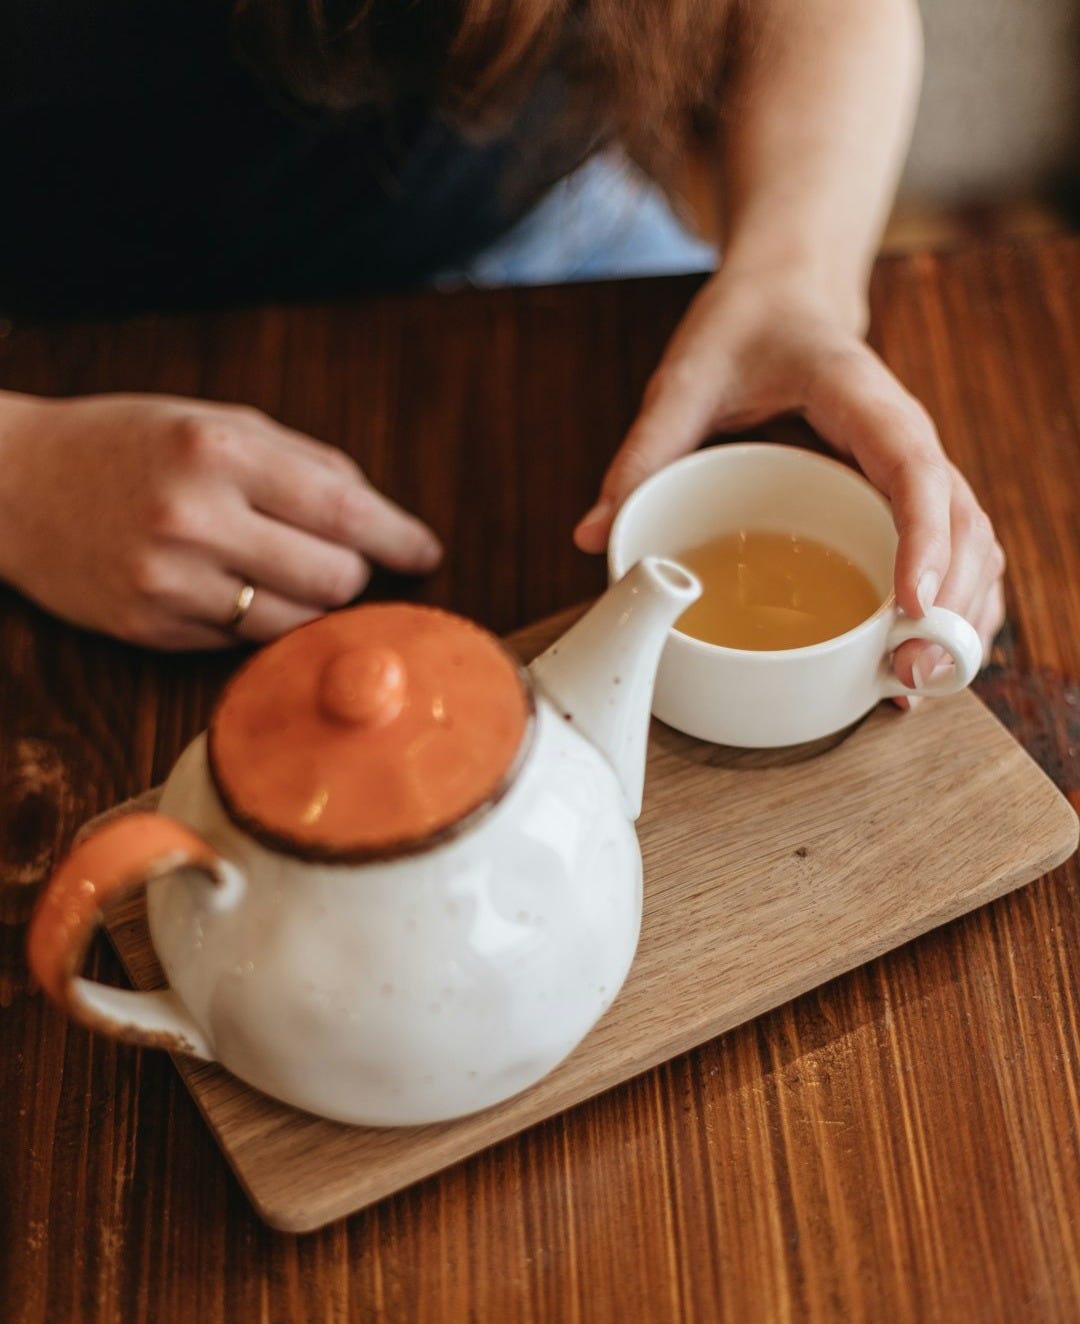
(952, 633)
(120, 856)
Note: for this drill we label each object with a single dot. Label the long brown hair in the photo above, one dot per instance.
(647, 71)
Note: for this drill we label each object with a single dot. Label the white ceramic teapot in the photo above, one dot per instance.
(397, 880)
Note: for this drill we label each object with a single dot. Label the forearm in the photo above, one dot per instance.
(14, 409)
(815, 126)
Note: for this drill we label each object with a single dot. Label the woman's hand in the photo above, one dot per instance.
(143, 517)
(753, 349)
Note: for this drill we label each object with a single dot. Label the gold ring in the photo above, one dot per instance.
(244, 599)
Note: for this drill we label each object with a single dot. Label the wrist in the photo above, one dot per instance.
(789, 274)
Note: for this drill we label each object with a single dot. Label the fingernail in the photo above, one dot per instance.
(599, 513)
(927, 589)
(927, 665)
(431, 553)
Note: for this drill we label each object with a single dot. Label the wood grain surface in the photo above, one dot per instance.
(767, 873)
(903, 1144)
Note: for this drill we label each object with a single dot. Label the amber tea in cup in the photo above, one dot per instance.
(783, 510)
(768, 591)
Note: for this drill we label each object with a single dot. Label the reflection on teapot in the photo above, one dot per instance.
(397, 880)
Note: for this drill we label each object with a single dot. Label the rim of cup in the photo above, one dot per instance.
(618, 566)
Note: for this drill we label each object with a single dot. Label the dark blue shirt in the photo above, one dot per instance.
(142, 164)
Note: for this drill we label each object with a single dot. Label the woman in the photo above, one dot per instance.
(158, 154)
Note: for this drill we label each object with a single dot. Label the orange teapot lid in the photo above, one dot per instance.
(370, 733)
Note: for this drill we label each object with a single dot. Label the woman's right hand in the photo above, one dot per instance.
(143, 516)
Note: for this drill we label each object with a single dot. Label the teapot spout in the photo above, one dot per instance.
(600, 674)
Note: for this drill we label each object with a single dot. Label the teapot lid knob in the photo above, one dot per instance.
(363, 686)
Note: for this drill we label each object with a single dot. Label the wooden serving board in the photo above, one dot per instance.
(766, 874)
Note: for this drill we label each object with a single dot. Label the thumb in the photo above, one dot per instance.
(675, 416)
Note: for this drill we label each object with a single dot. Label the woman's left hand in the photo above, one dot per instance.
(752, 349)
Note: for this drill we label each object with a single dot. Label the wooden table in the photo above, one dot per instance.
(903, 1144)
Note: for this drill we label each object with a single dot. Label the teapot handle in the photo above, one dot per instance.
(120, 856)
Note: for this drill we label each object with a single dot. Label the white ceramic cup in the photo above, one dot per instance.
(764, 699)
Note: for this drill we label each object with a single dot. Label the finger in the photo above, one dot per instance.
(385, 532)
(212, 605)
(976, 561)
(675, 416)
(988, 605)
(299, 443)
(249, 418)
(294, 564)
(183, 600)
(914, 662)
(904, 660)
(973, 580)
(918, 492)
(341, 509)
(975, 568)
(271, 615)
(858, 406)
(989, 619)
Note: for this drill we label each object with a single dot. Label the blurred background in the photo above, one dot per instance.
(997, 142)
(996, 150)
